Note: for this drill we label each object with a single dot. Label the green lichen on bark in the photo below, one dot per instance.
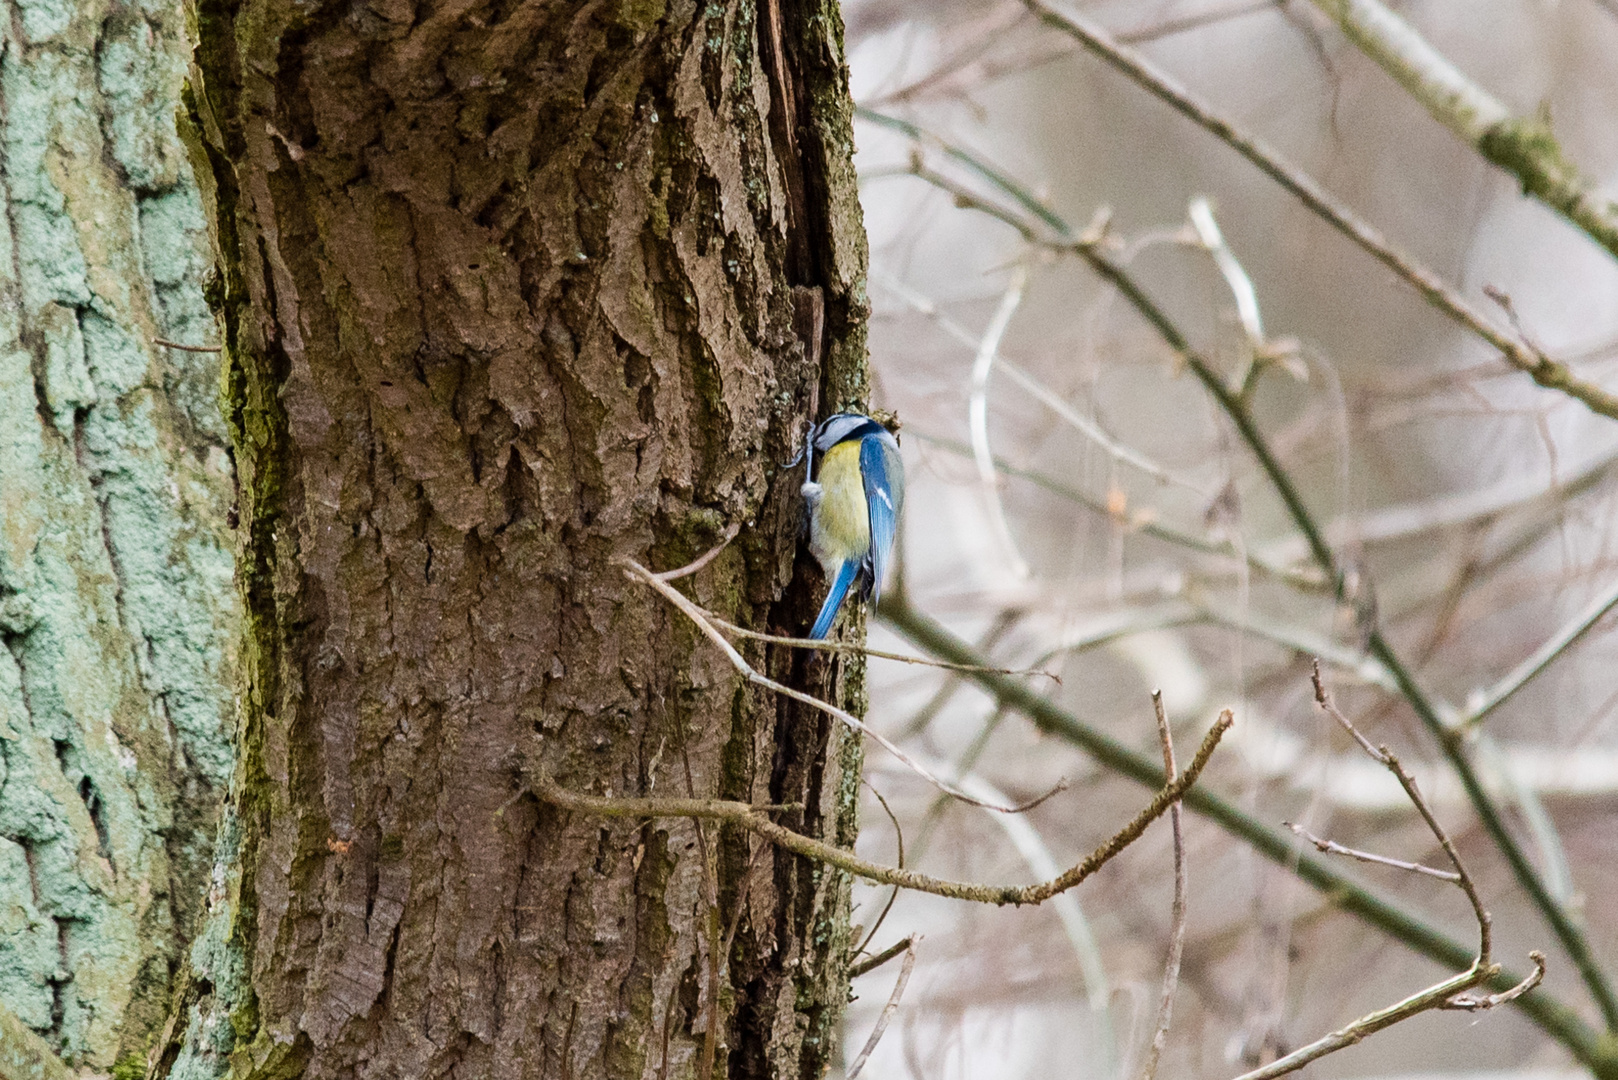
(116, 605)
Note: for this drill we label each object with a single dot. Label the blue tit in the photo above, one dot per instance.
(853, 508)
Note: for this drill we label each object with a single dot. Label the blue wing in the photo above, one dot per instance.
(883, 473)
(834, 598)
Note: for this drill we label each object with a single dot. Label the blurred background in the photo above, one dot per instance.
(1079, 503)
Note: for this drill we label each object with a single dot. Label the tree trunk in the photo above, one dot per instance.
(513, 292)
(117, 612)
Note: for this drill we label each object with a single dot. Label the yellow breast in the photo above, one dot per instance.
(842, 529)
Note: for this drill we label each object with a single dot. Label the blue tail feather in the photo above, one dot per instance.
(834, 598)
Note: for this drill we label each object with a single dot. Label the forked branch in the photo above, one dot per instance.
(1449, 994)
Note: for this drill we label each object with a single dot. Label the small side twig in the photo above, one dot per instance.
(167, 344)
(1332, 847)
(1468, 1003)
(821, 645)
(814, 643)
(702, 560)
(893, 894)
(1171, 967)
(887, 1010)
(871, 963)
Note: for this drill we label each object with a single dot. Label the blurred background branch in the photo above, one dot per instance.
(1221, 441)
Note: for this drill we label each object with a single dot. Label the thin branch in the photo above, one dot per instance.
(812, 643)
(1447, 994)
(1345, 892)
(187, 348)
(1332, 847)
(1538, 661)
(887, 1010)
(751, 818)
(1523, 147)
(899, 842)
(1036, 854)
(636, 571)
(818, 645)
(870, 964)
(1301, 185)
(702, 560)
(1236, 279)
(1468, 1003)
(1431, 998)
(1171, 967)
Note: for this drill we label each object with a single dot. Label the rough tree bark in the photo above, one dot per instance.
(512, 291)
(117, 612)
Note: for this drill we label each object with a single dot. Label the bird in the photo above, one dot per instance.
(853, 508)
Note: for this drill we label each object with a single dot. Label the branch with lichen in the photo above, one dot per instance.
(1525, 147)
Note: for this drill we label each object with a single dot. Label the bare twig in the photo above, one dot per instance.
(753, 819)
(1332, 847)
(1171, 967)
(818, 645)
(811, 643)
(887, 1010)
(636, 571)
(1431, 998)
(702, 560)
(187, 348)
(1236, 278)
(871, 963)
(899, 858)
(1468, 1003)
(1382, 754)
